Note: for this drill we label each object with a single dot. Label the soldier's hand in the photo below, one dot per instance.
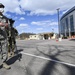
(1, 24)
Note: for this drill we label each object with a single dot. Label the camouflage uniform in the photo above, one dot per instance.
(3, 40)
(12, 41)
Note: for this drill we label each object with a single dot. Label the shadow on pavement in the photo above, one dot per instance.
(18, 51)
(51, 69)
(14, 59)
(0, 66)
(30, 64)
(71, 70)
(54, 68)
(18, 56)
(72, 40)
(47, 70)
(28, 71)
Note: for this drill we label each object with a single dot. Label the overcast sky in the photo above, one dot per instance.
(36, 16)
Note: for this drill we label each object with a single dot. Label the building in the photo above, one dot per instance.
(67, 23)
(43, 36)
(35, 37)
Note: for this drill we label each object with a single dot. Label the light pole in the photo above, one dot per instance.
(58, 22)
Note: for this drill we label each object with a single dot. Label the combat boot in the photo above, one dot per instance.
(6, 66)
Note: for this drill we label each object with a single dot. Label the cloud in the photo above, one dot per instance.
(42, 12)
(15, 17)
(22, 27)
(8, 15)
(45, 7)
(37, 7)
(39, 29)
(12, 6)
(22, 18)
(44, 23)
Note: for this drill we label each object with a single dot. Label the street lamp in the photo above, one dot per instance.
(58, 21)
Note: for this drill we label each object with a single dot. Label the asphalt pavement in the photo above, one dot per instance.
(42, 57)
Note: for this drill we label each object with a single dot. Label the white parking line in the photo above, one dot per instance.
(48, 59)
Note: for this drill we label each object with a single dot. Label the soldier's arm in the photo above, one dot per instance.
(2, 23)
(6, 24)
(16, 32)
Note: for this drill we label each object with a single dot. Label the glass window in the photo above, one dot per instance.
(62, 27)
(67, 24)
(71, 23)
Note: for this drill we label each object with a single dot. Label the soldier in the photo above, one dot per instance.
(3, 25)
(12, 41)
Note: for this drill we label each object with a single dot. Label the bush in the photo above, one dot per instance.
(64, 37)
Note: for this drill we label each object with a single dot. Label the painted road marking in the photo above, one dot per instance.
(69, 64)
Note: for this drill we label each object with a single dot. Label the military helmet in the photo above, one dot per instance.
(1, 5)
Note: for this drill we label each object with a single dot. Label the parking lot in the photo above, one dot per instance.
(42, 57)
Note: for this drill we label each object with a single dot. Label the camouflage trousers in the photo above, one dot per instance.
(3, 46)
(12, 42)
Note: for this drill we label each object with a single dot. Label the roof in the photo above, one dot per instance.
(69, 11)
